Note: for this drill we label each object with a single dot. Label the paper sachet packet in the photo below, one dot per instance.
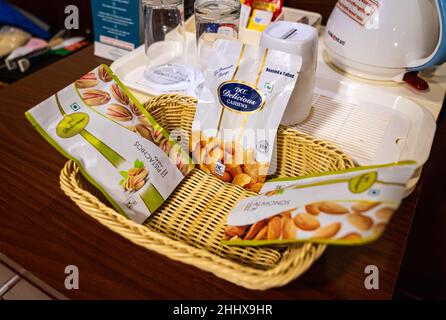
(352, 206)
(245, 94)
(118, 146)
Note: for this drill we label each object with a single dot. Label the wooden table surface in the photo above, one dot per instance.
(41, 229)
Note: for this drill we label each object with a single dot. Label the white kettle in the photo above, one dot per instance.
(384, 39)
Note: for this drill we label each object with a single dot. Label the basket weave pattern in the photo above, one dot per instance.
(189, 226)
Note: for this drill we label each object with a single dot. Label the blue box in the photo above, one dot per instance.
(118, 27)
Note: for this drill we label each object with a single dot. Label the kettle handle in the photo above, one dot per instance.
(439, 54)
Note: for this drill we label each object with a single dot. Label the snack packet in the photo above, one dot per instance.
(246, 92)
(347, 207)
(274, 6)
(118, 146)
(260, 20)
(245, 13)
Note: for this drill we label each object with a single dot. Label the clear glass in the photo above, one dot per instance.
(214, 19)
(165, 43)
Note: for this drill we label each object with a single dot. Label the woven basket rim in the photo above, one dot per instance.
(295, 260)
(242, 275)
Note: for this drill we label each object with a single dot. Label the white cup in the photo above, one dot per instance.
(299, 39)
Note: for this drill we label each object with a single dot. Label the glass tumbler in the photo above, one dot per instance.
(214, 19)
(168, 68)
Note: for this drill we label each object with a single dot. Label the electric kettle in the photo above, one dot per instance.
(384, 39)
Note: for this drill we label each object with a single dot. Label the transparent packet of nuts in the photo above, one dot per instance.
(246, 91)
(349, 207)
(118, 146)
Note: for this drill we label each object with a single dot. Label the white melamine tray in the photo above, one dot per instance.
(372, 124)
(374, 127)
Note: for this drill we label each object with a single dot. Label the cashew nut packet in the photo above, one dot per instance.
(346, 207)
(245, 94)
(118, 146)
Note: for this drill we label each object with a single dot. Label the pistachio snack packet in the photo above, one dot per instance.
(118, 146)
(245, 94)
(347, 207)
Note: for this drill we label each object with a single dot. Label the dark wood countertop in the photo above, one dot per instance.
(41, 229)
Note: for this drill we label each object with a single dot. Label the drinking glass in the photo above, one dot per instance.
(214, 19)
(165, 45)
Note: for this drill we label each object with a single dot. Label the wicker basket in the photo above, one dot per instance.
(189, 226)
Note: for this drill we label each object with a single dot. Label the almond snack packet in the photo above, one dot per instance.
(118, 146)
(348, 207)
(245, 94)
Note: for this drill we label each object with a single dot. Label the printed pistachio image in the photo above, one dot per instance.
(135, 178)
(176, 156)
(135, 109)
(119, 94)
(119, 113)
(87, 81)
(103, 74)
(146, 130)
(154, 134)
(340, 220)
(94, 97)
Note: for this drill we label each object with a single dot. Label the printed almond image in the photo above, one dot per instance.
(306, 222)
(331, 207)
(234, 232)
(255, 229)
(351, 236)
(94, 97)
(289, 230)
(277, 227)
(363, 206)
(385, 213)
(313, 208)
(360, 221)
(87, 81)
(379, 228)
(328, 231)
(346, 221)
(135, 178)
(327, 208)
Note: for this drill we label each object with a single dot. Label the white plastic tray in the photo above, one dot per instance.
(373, 127)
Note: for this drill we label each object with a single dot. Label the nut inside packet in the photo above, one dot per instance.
(245, 94)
